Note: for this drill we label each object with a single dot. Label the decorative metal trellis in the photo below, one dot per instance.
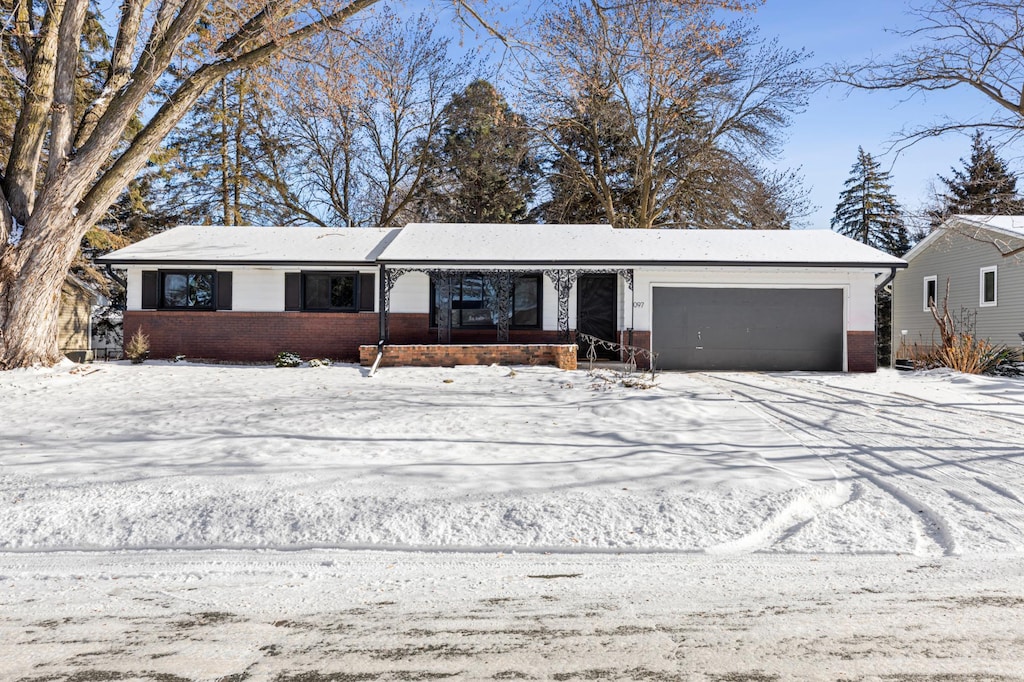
(564, 280)
(631, 353)
(503, 281)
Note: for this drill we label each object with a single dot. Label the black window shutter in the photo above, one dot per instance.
(150, 289)
(293, 291)
(366, 293)
(223, 291)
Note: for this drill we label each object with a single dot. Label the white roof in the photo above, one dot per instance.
(421, 243)
(1012, 224)
(456, 244)
(204, 244)
(1007, 225)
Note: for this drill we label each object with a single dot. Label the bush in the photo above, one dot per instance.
(287, 359)
(137, 349)
(971, 355)
(324, 362)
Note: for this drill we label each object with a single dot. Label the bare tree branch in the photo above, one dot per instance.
(119, 71)
(961, 44)
(30, 130)
(63, 107)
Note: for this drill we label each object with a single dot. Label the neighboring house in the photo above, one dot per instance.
(74, 322)
(701, 299)
(980, 257)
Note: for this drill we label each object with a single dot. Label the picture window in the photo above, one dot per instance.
(184, 290)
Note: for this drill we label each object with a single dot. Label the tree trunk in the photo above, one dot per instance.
(31, 275)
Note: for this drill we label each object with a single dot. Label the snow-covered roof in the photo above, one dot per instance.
(421, 243)
(457, 244)
(1006, 225)
(203, 244)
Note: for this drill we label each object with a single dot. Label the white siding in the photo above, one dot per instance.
(549, 301)
(257, 290)
(858, 285)
(133, 298)
(411, 294)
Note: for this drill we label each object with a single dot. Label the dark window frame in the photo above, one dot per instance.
(162, 276)
(353, 274)
(535, 276)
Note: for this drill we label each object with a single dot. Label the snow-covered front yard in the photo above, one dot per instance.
(201, 522)
(169, 455)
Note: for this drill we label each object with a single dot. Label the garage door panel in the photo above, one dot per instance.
(748, 329)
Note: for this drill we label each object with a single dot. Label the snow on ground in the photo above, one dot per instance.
(177, 455)
(335, 616)
(179, 522)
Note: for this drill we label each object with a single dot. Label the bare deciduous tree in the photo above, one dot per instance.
(694, 99)
(958, 44)
(69, 161)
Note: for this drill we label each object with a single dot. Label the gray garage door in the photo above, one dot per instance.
(748, 329)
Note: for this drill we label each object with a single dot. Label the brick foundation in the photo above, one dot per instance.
(562, 356)
(640, 339)
(860, 352)
(252, 337)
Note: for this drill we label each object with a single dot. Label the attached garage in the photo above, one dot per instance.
(774, 329)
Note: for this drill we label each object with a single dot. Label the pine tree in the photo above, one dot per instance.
(484, 169)
(985, 186)
(867, 210)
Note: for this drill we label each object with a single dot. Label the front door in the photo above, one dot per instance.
(595, 310)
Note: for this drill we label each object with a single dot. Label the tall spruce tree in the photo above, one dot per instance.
(484, 169)
(867, 210)
(985, 185)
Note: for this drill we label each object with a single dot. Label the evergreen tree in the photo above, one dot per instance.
(985, 186)
(483, 168)
(593, 164)
(867, 210)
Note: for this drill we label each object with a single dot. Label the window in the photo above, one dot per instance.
(929, 293)
(329, 291)
(988, 287)
(187, 290)
(474, 302)
(345, 292)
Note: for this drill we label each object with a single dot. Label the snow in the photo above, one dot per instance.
(1013, 224)
(182, 455)
(526, 245)
(210, 522)
(581, 244)
(255, 245)
(17, 231)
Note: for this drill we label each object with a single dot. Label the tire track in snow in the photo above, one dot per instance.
(786, 522)
(939, 490)
(970, 478)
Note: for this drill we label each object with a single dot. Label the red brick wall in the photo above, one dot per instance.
(860, 352)
(640, 339)
(562, 356)
(253, 337)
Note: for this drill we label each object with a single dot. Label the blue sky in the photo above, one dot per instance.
(823, 140)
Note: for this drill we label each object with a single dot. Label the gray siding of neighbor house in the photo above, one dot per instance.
(959, 259)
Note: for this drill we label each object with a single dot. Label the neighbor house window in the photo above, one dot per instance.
(929, 293)
(329, 291)
(474, 301)
(187, 290)
(988, 286)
